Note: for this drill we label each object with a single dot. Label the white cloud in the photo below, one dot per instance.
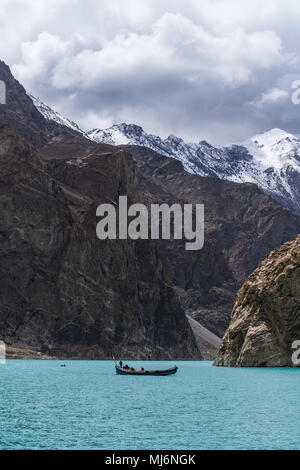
(274, 95)
(175, 45)
(173, 66)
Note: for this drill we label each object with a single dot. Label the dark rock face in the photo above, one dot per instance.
(63, 291)
(242, 225)
(35, 228)
(265, 319)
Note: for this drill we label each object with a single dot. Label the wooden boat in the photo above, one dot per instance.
(170, 371)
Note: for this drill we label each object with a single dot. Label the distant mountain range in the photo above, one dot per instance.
(271, 160)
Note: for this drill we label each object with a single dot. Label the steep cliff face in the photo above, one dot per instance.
(242, 225)
(35, 227)
(265, 319)
(63, 291)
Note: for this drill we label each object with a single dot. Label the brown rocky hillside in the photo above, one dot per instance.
(265, 320)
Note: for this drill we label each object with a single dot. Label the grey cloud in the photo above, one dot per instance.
(201, 70)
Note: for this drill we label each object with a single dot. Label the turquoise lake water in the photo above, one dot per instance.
(87, 406)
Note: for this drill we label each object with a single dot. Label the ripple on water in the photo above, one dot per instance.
(87, 406)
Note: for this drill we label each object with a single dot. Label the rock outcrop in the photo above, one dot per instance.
(265, 319)
(21, 353)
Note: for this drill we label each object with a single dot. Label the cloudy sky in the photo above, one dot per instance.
(219, 70)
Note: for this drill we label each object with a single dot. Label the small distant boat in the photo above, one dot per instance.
(121, 371)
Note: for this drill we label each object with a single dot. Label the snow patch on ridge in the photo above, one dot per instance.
(271, 159)
(52, 115)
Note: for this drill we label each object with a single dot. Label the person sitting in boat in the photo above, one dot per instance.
(142, 369)
(132, 369)
(126, 367)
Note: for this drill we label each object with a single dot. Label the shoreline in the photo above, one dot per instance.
(30, 354)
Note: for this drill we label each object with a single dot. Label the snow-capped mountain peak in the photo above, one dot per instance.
(275, 149)
(115, 136)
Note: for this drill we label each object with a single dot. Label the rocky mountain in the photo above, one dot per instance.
(271, 160)
(121, 296)
(63, 291)
(242, 225)
(265, 319)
